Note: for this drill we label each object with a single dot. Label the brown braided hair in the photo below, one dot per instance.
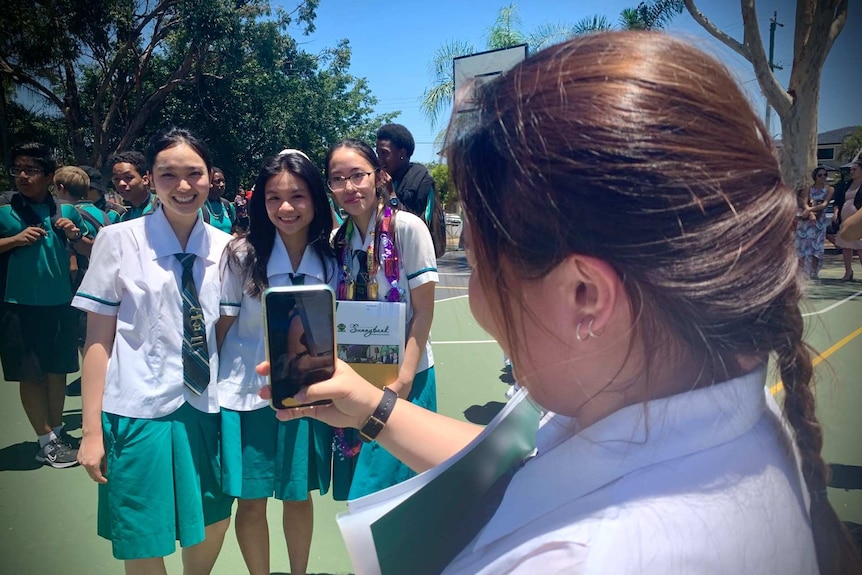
(638, 149)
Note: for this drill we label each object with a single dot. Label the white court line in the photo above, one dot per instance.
(450, 298)
(833, 306)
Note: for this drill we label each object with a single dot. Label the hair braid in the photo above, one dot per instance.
(836, 551)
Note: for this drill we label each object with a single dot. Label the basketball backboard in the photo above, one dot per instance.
(482, 67)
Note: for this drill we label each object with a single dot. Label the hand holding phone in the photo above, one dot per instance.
(299, 326)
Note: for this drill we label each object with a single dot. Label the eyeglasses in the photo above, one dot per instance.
(14, 171)
(339, 183)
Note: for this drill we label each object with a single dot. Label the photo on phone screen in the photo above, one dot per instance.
(300, 339)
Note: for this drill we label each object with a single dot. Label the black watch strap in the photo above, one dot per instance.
(377, 421)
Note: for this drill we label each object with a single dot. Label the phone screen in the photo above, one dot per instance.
(300, 339)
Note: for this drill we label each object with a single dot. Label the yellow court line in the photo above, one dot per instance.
(778, 387)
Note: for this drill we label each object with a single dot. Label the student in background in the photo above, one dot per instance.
(73, 185)
(97, 194)
(37, 326)
(150, 398)
(636, 316)
(131, 180)
(288, 244)
(218, 211)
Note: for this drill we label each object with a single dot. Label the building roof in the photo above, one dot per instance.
(835, 136)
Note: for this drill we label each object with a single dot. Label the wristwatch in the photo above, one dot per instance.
(377, 421)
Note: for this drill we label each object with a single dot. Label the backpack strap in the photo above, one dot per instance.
(92, 219)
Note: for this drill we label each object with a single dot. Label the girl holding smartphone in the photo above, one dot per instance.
(287, 244)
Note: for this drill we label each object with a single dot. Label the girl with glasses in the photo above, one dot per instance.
(384, 254)
(645, 339)
(811, 225)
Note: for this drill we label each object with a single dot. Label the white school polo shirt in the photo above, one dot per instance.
(243, 347)
(713, 487)
(417, 265)
(134, 275)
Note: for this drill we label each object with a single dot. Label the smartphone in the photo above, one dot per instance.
(299, 330)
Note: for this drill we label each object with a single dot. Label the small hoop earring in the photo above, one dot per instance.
(590, 333)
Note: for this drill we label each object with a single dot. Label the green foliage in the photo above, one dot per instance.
(591, 24)
(443, 183)
(851, 145)
(504, 33)
(116, 71)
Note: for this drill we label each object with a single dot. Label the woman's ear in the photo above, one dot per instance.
(592, 289)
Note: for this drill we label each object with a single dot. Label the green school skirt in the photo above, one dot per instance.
(264, 457)
(375, 468)
(164, 482)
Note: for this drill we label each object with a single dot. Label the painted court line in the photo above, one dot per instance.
(833, 306)
(778, 387)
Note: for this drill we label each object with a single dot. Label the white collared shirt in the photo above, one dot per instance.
(708, 488)
(243, 347)
(135, 276)
(417, 265)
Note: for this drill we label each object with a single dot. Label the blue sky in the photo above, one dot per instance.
(392, 45)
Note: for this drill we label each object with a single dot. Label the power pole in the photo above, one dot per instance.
(773, 22)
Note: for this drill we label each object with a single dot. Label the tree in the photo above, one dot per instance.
(818, 23)
(851, 146)
(115, 70)
(443, 184)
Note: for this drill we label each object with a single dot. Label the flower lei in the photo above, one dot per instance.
(389, 255)
(341, 444)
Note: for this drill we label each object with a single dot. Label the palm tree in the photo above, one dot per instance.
(648, 15)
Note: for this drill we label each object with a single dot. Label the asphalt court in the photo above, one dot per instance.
(48, 516)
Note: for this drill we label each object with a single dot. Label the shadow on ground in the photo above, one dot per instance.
(19, 457)
(483, 414)
(72, 419)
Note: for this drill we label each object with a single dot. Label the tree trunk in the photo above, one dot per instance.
(798, 153)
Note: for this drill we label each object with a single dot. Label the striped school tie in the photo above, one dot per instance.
(196, 357)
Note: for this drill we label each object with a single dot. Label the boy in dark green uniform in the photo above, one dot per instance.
(129, 176)
(37, 327)
(96, 194)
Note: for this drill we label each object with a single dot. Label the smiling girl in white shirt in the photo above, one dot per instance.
(385, 254)
(287, 244)
(150, 441)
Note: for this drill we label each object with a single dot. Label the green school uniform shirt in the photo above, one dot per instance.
(38, 274)
(133, 212)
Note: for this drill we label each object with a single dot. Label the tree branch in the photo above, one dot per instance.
(718, 34)
(19, 75)
(156, 98)
(837, 23)
(774, 92)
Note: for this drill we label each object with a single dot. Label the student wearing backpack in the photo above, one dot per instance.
(97, 195)
(412, 183)
(37, 327)
(72, 185)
